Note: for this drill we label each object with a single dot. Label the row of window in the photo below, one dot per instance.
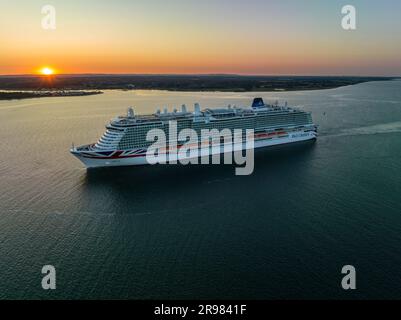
(136, 136)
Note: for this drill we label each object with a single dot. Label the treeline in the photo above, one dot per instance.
(178, 82)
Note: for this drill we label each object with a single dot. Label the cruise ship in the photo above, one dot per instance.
(124, 142)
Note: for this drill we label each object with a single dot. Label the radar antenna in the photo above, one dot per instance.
(130, 113)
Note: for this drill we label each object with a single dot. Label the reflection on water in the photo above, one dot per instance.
(143, 178)
(138, 186)
(200, 231)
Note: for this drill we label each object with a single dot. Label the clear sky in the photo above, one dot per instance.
(204, 36)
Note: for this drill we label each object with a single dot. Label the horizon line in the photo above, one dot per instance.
(197, 74)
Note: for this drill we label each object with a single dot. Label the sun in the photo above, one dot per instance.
(47, 71)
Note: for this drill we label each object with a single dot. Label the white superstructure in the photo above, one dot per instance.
(124, 142)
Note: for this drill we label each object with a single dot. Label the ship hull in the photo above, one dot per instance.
(92, 159)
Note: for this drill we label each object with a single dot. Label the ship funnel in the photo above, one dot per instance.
(184, 108)
(258, 103)
(130, 113)
(165, 111)
(197, 109)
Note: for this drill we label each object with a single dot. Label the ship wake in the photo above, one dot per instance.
(383, 128)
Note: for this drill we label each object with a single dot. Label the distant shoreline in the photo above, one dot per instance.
(18, 95)
(24, 87)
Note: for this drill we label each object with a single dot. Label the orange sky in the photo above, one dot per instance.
(244, 37)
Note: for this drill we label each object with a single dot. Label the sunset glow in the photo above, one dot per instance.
(242, 37)
(47, 71)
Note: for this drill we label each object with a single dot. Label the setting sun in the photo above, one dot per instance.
(47, 71)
